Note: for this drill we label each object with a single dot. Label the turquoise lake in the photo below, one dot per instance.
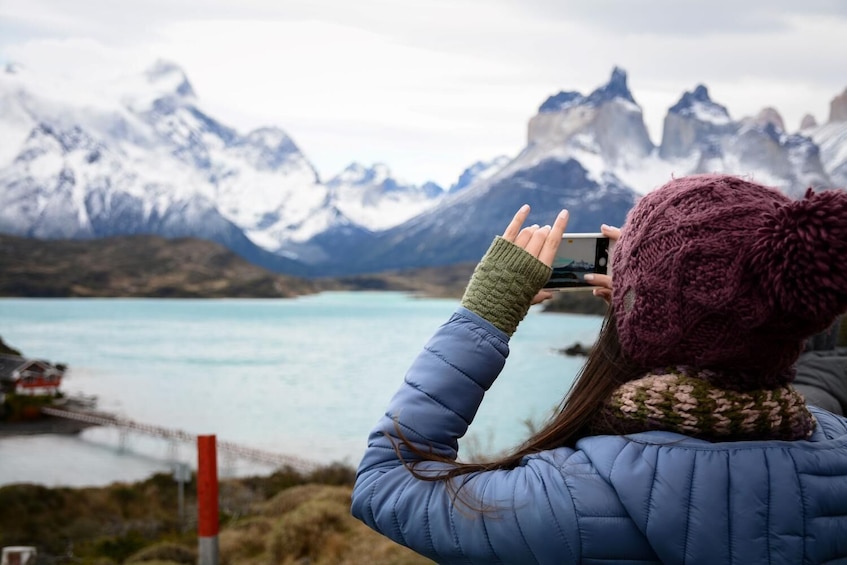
(306, 377)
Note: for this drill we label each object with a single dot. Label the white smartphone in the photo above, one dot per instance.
(578, 255)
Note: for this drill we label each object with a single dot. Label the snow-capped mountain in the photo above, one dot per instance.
(478, 172)
(141, 155)
(563, 166)
(699, 136)
(607, 124)
(372, 198)
(605, 131)
(462, 226)
(592, 154)
(692, 123)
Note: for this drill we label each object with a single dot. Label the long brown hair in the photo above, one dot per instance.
(605, 369)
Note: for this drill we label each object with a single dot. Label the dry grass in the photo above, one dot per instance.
(245, 541)
(309, 524)
(281, 519)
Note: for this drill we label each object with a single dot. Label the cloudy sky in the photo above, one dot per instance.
(430, 86)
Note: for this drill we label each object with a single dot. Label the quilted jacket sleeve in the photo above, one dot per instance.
(553, 508)
(433, 408)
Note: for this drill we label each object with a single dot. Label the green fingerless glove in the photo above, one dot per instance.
(504, 283)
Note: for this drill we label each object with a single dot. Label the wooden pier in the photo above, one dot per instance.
(225, 448)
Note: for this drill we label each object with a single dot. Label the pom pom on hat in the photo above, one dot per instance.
(717, 272)
(801, 251)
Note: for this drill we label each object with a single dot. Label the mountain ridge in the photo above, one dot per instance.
(148, 159)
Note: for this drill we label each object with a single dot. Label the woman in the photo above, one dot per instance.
(681, 440)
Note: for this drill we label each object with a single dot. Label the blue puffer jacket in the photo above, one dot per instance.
(646, 498)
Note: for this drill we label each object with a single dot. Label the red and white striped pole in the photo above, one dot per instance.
(207, 500)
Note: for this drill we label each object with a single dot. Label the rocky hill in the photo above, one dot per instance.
(152, 266)
(136, 266)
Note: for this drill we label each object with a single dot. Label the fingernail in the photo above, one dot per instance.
(546, 228)
(563, 214)
(524, 208)
(588, 277)
(535, 226)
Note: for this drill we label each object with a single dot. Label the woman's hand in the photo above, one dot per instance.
(540, 242)
(604, 282)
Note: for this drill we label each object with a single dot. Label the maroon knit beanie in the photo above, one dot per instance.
(715, 272)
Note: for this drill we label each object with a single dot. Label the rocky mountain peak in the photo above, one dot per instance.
(698, 105)
(615, 88)
(268, 148)
(566, 99)
(608, 122)
(357, 174)
(169, 78)
(561, 101)
(693, 124)
(432, 189)
(370, 198)
(808, 121)
(838, 108)
(769, 116)
(479, 171)
(269, 137)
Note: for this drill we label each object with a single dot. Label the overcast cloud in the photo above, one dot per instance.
(428, 87)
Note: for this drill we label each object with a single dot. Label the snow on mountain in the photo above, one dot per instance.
(463, 224)
(832, 140)
(831, 137)
(605, 132)
(563, 166)
(790, 162)
(372, 198)
(260, 181)
(145, 139)
(592, 155)
(479, 171)
(607, 123)
(699, 136)
(693, 120)
(140, 155)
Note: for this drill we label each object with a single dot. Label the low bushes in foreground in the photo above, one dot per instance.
(283, 518)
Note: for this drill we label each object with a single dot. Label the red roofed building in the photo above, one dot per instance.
(29, 377)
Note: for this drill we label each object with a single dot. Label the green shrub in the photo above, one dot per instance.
(121, 547)
(333, 474)
(136, 523)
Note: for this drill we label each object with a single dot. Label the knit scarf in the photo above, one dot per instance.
(682, 400)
